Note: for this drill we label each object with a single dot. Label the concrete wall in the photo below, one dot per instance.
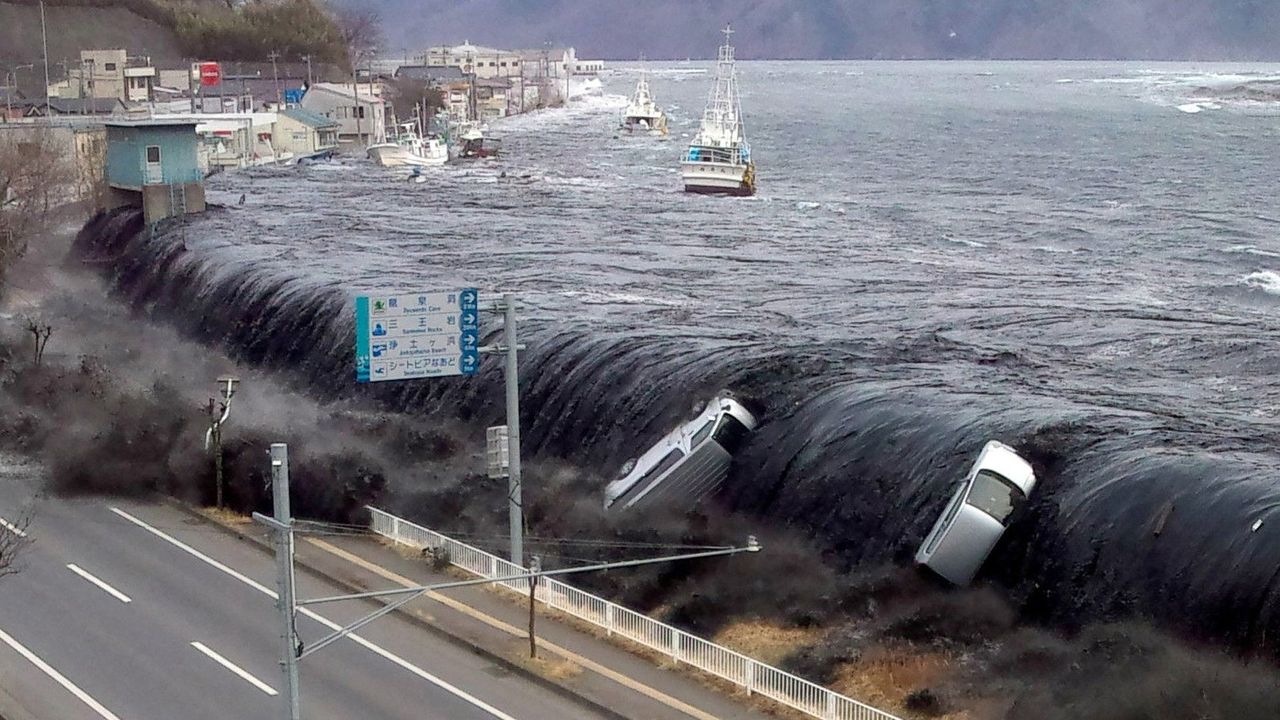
(165, 201)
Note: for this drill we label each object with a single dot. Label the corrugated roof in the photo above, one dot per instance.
(306, 117)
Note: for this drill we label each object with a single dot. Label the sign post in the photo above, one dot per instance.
(437, 334)
(418, 335)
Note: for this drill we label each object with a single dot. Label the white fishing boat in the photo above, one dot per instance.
(642, 113)
(718, 160)
(473, 143)
(406, 146)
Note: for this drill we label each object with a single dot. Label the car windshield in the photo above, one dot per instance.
(995, 496)
(701, 435)
(730, 433)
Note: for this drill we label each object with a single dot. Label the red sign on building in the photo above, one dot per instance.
(210, 73)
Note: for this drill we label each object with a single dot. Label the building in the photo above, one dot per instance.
(483, 62)
(15, 104)
(109, 74)
(436, 76)
(494, 98)
(153, 164)
(37, 107)
(361, 115)
(557, 62)
(302, 133)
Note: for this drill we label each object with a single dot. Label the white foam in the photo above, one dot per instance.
(1251, 250)
(1265, 280)
(964, 241)
(806, 205)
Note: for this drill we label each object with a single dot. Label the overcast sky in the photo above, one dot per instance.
(623, 29)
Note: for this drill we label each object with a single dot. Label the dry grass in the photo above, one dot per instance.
(226, 517)
(884, 676)
(549, 665)
(765, 642)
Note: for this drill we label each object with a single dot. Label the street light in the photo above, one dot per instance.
(10, 83)
(227, 385)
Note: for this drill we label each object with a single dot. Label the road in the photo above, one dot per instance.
(129, 611)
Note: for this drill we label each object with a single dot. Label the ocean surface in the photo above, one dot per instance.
(1079, 259)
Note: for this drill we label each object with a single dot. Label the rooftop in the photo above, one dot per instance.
(306, 117)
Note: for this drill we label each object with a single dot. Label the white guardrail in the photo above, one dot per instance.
(751, 675)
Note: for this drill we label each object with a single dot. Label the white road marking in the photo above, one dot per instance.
(12, 528)
(307, 612)
(101, 585)
(58, 677)
(244, 674)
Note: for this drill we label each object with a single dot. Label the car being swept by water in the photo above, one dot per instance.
(687, 464)
(980, 509)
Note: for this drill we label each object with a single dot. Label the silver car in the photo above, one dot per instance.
(689, 463)
(998, 484)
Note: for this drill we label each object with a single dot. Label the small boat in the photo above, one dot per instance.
(642, 113)
(473, 144)
(407, 147)
(718, 160)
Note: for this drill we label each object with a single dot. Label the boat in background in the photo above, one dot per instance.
(642, 113)
(408, 146)
(473, 144)
(718, 160)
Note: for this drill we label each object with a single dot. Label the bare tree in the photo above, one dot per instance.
(35, 178)
(13, 537)
(361, 29)
(41, 335)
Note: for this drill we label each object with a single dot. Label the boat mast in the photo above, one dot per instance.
(724, 109)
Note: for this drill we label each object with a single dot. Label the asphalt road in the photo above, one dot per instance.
(198, 635)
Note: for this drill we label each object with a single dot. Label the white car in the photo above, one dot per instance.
(690, 462)
(999, 483)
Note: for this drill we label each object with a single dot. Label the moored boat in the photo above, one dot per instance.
(718, 160)
(407, 147)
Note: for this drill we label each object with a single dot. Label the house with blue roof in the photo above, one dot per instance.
(304, 134)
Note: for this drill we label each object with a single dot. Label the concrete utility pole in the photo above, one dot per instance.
(275, 74)
(285, 600)
(44, 42)
(307, 58)
(515, 499)
(291, 649)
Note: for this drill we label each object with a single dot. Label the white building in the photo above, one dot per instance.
(360, 114)
(483, 62)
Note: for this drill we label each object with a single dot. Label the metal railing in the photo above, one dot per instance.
(753, 676)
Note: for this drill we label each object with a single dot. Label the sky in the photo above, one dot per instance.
(853, 29)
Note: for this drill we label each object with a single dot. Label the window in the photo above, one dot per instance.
(664, 465)
(995, 496)
(701, 435)
(504, 63)
(109, 67)
(359, 111)
(731, 433)
(153, 153)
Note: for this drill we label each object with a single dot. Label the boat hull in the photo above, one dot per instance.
(392, 155)
(716, 178)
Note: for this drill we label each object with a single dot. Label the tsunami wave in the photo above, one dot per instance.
(1128, 518)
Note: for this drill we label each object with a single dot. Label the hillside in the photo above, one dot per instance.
(171, 30)
(73, 28)
(1048, 29)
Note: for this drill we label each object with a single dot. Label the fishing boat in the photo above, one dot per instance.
(718, 160)
(642, 113)
(407, 146)
(472, 144)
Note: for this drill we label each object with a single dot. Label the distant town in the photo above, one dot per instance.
(256, 113)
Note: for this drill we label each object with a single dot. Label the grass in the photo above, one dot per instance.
(765, 642)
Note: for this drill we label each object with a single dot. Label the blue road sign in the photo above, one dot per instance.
(417, 335)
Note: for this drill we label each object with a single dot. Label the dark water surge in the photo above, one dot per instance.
(978, 252)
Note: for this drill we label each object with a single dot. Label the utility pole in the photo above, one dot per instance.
(275, 74)
(515, 493)
(307, 58)
(44, 42)
(355, 97)
(285, 600)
